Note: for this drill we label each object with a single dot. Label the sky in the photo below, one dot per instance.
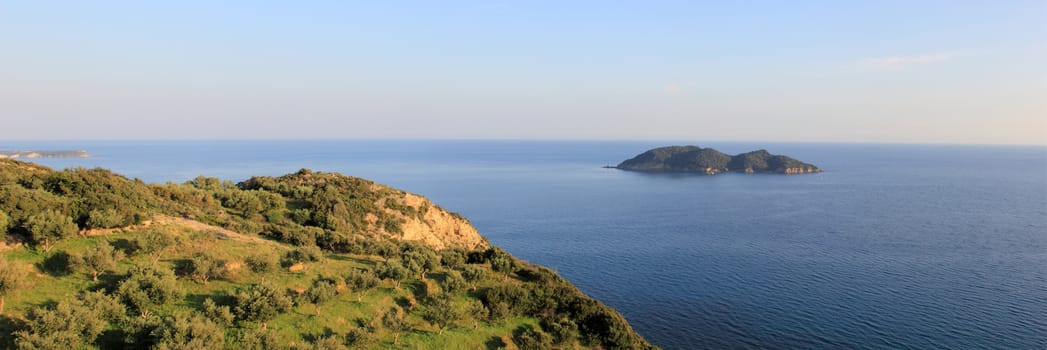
(907, 71)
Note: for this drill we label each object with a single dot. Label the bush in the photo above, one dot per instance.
(258, 339)
(263, 262)
(58, 263)
(202, 267)
(188, 332)
(358, 337)
(452, 258)
(528, 338)
(560, 327)
(11, 278)
(221, 315)
(69, 325)
(303, 254)
(4, 222)
(105, 218)
(360, 279)
(148, 287)
(260, 302)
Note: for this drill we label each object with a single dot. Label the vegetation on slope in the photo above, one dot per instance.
(303, 261)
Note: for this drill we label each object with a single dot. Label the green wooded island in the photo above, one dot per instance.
(44, 154)
(695, 159)
(310, 260)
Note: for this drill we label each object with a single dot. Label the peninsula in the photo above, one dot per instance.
(309, 260)
(695, 159)
(44, 154)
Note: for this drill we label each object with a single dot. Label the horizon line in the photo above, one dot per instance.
(251, 139)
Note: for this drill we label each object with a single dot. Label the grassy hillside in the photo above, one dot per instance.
(304, 261)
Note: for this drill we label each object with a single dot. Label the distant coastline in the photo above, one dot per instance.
(44, 154)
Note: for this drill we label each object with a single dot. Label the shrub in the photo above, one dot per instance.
(219, 314)
(260, 302)
(188, 332)
(11, 278)
(148, 287)
(202, 267)
(263, 262)
(309, 253)
(105, 218)
(69, 325)
(528, 338)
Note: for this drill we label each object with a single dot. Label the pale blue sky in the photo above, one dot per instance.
(869, 71)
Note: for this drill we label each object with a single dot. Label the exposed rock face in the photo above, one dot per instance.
(344, 206)
(435, 226)
(710, 161)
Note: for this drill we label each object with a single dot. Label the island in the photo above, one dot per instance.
(44, 154)
(694, 159)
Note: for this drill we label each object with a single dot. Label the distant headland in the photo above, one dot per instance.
(44, 154)
(695, 159)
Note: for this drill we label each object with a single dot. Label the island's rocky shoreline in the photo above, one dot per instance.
(709, 161)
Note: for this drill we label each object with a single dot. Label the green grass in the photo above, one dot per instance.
(338, 316)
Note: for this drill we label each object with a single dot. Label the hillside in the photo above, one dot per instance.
(711, 161)
(308, 260)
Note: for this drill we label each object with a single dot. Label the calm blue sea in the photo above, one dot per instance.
(893, 247)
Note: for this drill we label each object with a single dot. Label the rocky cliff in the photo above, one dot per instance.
(432, 225)
(710, 161)
(353, 206)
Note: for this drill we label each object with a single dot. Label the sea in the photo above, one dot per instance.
(894, 246)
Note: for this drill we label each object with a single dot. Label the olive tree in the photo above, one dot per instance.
(152, 242)
(69, 325)
(47, 227)
(322, 291)
(202, 267)
(440, 311)
(392, 270)
(260, 302)
(148, 287)
(453, 282)
(188, 332)
(395, 320)
(98, 260)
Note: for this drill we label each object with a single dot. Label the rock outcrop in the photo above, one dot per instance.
(434, 226)
(710, 161)
(347, 205)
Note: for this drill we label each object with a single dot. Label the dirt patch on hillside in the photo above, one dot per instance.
(164, 220)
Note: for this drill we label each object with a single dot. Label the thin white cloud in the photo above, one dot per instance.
(901, 62)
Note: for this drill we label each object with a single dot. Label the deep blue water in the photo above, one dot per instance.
(893, 247)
